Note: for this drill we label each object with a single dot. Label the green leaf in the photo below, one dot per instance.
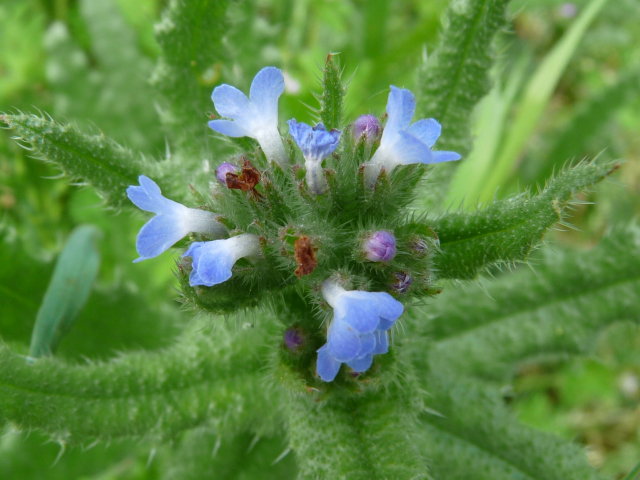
(456, 76)
(107, 166)
(230, 454)
(536, 97)
(370, 428)
(204, 378)
(507, 230)
(332, 94)
(71, 283)
(191, 37)
(556, 308)
(475, 436)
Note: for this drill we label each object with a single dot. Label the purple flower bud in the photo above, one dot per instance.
(223, 169)
(380, 246)
(294, 339)
(367, 126)
(402, 282)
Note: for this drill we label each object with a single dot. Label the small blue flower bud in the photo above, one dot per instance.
(223, 169)
(294, 339)
(380, 246)
(367, 126)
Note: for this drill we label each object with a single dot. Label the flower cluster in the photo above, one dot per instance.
(361, 319)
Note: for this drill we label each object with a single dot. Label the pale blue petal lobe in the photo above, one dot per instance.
(361, 364)
(230, 102)
(426, 130)
(367, 344)
(443, 156)
(409, 149)
(229, 128)
(343, 341)
(266, 88)
(327, 366)
(388, 307)
(212, 263)
(157, 235)
(400, 107)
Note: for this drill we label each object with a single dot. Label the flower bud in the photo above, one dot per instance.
(223, 169)
(403, 281)
(367, 126)
(294, 339)
(380, 246)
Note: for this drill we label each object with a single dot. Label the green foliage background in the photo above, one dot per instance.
(553, 343)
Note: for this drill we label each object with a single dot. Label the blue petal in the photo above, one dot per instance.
(426, 130)
(400, 107)
(343, 341)
(148, 197)
(316, 142)
(231, 102)
(300, 132)
(368, 342)
(157, 235)
(212, 263)
(409, 149)
(382, 342)
(229, 128)
(443, 156)
(388, 307)
(327, 366)
(266, 88)
(361, 364)
(359, 311)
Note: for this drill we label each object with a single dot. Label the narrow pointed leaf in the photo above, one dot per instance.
(557, 308)
(71, 283)
(202, 379)
(107, 166)
(353, 438)
(191, 37)
(456, 75)
(487, 443)
(332, 94)
(507, 230)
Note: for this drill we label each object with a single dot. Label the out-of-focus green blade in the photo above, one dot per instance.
(634, 474)
(536, 97)
(70, 285)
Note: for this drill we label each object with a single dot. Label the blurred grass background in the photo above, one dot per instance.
(89, 62)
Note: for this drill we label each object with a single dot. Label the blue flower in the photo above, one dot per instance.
(402, 142)
(172, 221)
(213, 261)
(358, 330)
(316, 144)
(256, 116)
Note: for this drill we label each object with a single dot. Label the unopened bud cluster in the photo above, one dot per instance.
(313, 225)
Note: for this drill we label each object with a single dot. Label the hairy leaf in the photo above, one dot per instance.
(204, 378)
(475, 436)
(332, 94)
(456, 75)
(349, 436)
(556, 308)
(107, 166)
(229, 454)
(506, 230)
(191, 37)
